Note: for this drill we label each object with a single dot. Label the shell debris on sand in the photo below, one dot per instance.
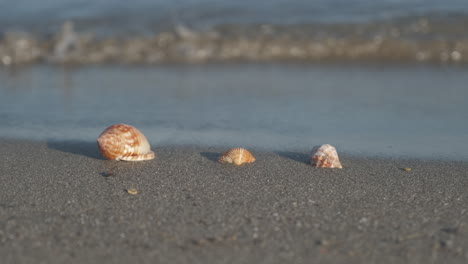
(237, 156)
(325, 156)
(124, 142)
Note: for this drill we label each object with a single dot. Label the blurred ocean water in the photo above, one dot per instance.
(188, 31)
(139, 14)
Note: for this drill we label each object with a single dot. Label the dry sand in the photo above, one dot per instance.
(60, 202)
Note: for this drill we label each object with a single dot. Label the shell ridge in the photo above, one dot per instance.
(141, 157)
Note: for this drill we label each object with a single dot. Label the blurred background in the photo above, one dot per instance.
(372, 77)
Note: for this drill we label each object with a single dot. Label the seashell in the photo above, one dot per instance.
(237, 156)
(325, 156)
(124, 142)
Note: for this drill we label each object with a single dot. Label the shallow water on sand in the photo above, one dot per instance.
(411, 111)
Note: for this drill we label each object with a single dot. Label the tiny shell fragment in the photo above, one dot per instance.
(132, 191)
(407, 169)
(325, 156)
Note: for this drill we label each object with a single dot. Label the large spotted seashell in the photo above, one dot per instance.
(124, 142)
(237, 156)
(325, 156)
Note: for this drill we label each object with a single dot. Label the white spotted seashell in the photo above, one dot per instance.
(325, 156)
(237, 156)
(124, 142)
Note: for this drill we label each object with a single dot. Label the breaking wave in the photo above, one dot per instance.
(423, 39)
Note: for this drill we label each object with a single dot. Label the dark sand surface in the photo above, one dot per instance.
(60, 202)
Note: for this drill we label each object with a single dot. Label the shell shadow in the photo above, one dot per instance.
(83, 148)
(213, 156)
(296, 156)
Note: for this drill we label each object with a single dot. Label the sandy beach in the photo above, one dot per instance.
(61, 202)
(382, 81)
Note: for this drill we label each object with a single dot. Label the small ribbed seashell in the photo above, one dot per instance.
(124, 142)
(237, 156)
(325, 156)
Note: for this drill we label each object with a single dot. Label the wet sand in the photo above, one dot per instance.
(60, 202)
